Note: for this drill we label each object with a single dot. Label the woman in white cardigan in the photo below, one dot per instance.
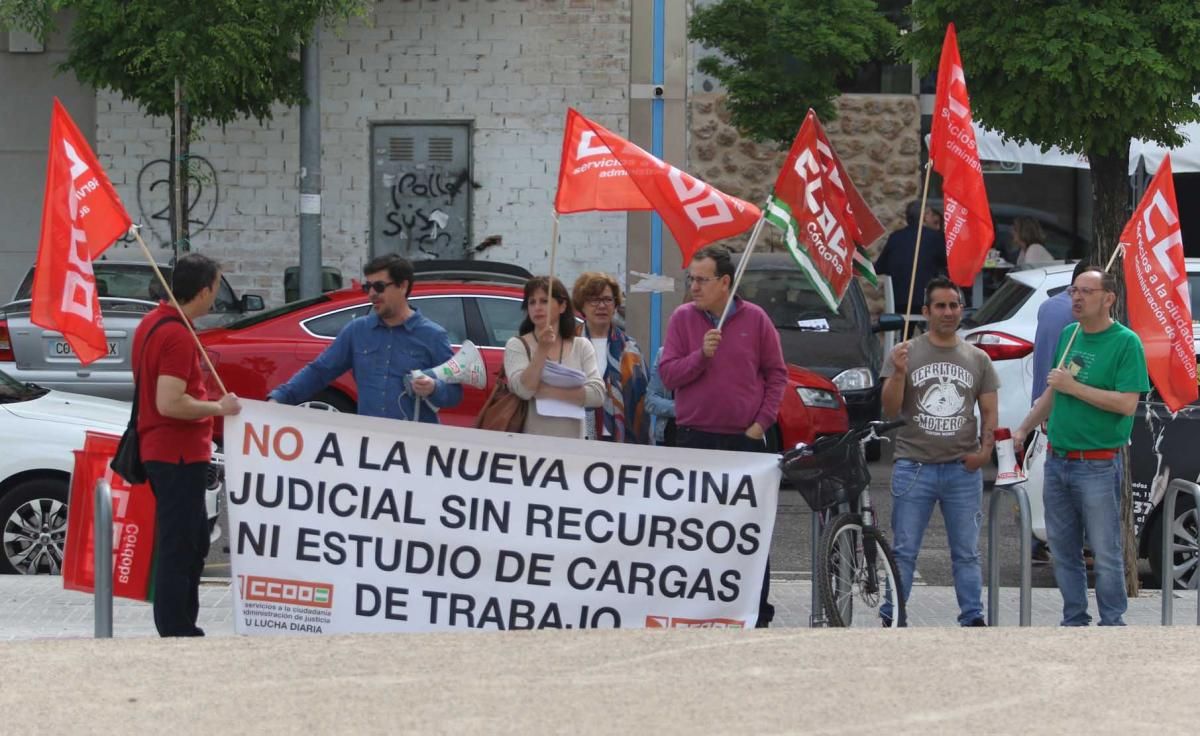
(548, 334)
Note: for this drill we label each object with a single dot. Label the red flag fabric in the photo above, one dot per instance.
(968, 221)
(1157, 294)
(600, 170)
(81, 217)
(812, 204)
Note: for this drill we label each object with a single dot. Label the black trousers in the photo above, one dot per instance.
(181, 542)
(700, 440)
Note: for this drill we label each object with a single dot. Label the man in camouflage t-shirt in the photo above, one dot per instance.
(934, 382)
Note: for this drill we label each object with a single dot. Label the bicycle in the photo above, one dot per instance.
(832, 477)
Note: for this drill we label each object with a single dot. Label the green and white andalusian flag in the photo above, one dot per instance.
(825, 222)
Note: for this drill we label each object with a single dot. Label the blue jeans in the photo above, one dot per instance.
(1084, 496)
(916, 488)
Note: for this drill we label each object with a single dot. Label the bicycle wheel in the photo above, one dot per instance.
(846, 577)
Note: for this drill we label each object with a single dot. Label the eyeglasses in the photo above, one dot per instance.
(1084, 290)
(602, 301)
(378, 286)
(702, 280)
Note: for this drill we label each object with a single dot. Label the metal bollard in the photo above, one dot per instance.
(1026, 529)
(102, 550)
(1167, 586)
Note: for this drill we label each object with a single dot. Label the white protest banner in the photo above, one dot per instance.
(341, 524)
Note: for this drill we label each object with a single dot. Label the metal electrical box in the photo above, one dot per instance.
(421, 190)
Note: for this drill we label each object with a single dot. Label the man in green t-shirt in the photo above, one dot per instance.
(1090, 400)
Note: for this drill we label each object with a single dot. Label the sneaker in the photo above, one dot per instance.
(885, 622)
(1040, 556)
(977, 622)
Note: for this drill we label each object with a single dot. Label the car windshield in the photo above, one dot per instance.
(260, 317)
(1002, 305)
(793, 304)
(12, 390)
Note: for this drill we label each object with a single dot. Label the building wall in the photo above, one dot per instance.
(509, 67)
(28, 85)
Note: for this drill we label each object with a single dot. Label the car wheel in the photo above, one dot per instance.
(33, 527)
(1186, 546)
(329, 400)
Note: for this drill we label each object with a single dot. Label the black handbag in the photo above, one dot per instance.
(127, 462)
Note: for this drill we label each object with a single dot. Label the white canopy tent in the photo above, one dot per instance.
(993, 146)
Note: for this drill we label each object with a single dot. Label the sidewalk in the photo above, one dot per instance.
(38, 608)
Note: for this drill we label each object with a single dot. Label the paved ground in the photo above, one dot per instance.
(938, 679)
(38, 607)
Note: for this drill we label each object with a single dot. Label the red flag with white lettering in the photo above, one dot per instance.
(1157, 294)
(603, 171)
(81, 217)
(811, 205)
(968, 220)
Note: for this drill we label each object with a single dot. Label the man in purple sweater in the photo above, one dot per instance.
(728, 383)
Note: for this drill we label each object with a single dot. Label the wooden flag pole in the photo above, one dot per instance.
(737, 276)
(171, 296)
(912, 278)
(553, 257)
(1074, 334)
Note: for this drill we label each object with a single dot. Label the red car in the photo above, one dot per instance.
(260, 352)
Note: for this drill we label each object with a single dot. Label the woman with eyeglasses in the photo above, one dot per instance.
(623, 417)
(548, 335)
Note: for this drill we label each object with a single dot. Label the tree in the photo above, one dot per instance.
(1087, 76)
(207, 60)
(782, 57)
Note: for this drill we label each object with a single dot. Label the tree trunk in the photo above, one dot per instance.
(1110, 211)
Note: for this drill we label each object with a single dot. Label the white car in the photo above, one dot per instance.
(39, 430)
(1005, 327)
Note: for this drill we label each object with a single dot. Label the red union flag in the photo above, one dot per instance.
(968, 221)
(600, 170)
(820, 213)
(1159, 302)
(81, 217)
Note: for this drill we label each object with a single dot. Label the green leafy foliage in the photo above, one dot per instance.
(1084, 75)
(782, 57)
(235, 58)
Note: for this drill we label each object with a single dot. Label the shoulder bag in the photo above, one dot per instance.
(504, 411)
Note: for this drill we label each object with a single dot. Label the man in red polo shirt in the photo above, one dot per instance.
(1090, 400)
(175, 427)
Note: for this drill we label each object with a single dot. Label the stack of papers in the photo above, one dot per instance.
(560, 376)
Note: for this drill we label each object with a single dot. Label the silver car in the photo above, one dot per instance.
(127, 291)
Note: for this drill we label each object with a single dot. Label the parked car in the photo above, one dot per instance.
(127, 291)
(842, 346)
(40, 429)
(1162, 445)
(256, 354)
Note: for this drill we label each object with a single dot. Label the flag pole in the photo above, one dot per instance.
(171, 296)
(912, 278)
(553, 257)
(737, 276)
(1074, 334)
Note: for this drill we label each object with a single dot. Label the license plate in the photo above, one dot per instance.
(62, 349)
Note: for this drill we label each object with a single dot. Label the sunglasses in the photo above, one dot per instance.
(378, 286)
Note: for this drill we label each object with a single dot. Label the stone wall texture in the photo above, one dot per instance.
(875, 136)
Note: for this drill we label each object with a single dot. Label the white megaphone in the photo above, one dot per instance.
(1008, 470)
(465, 366)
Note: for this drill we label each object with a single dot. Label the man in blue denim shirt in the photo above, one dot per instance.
(382, 349)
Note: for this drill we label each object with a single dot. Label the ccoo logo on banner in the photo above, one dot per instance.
(344, 524)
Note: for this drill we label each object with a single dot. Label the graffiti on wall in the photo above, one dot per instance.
(426, 214)
(154, 198)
